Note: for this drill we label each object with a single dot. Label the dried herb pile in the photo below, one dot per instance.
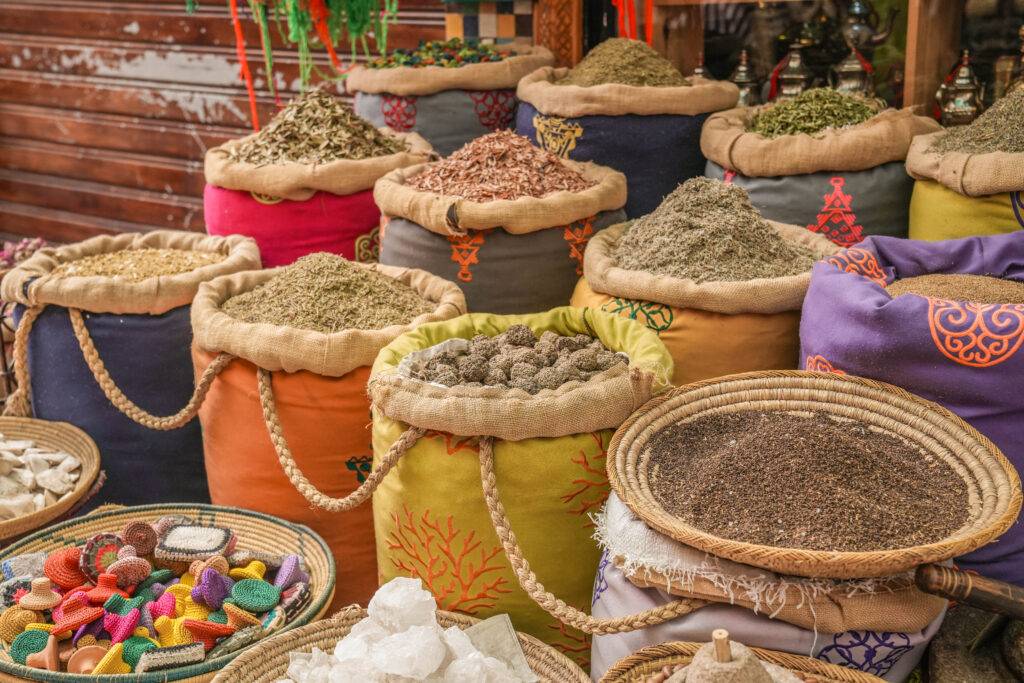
(499, 165)
(813, 111)
(326, 293)
(626, 62)
(136, 265)
(1000, 129)
(315, 128)
(707, 231)
(804, 481)
(450, 54)
(517, 359)
(957, 287)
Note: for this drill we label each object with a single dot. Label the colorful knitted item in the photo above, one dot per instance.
(106, 585)
(63, 568)
(206, 632)
(30, 564)
(134, 648)
(170, 657)
(41, 597)
(112, 662)
(238, 617)
(295, 599)
(167, 522)
(91, 630)
(253, 570)
(236, 641)
(216, 562)
(146, 622)
(118, 604)
(141, 535)
(129, 568)
(27, 643)
(98, 554)
(12, 590)
(156, 576)
(290, 572)
(254, 595)
(164, 606)
(75, 612)
(240, 558)
(47, 629)
(193, 610)
(212, 588)
(121, 627)
(190, 542)
(13, 621)
(172, 631)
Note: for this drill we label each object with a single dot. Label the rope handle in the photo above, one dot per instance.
(311, 493)
(19, 403)
(554, 606)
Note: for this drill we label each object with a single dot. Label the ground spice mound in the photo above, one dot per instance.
(450, 54)
(804, 481)
(980, 289)
(707, 231)
(1000, 129)
(518, 359)
(499, 165)
(626, 62)
(326, 293)
(136, 265)
(812, 112)
(315, 128)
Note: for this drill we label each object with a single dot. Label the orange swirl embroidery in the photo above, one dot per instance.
(819, 363)
(976, 335)
(859, 262)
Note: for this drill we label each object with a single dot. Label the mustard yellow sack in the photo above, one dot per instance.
(429, 512)
(939, 213)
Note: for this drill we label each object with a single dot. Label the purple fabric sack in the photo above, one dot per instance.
(964, 356)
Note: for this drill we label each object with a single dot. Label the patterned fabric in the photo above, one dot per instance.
(500, 22)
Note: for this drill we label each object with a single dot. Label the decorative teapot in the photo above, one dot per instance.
(854, 75)
(743, 76)
(961, 99)
(795, 77)
(861, 26)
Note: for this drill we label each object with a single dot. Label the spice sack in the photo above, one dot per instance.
(448, 105)
(286, 423)
(545, 450)
(506, 220)
(845, 183)
(103, 343)
(890, 310)
(305, 182)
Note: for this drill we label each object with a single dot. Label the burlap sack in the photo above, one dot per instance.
(32, 282)
(407, 80)
(972, 175)
(274, 348)
(299, 182)
(613, 99)
(650, 559)
(883, 138)
(446, 215)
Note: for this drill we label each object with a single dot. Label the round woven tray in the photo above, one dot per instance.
(268, 661)
(637, 667)
(255, 532)
(994, 492)
(59, 436)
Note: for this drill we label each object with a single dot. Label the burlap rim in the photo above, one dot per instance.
(613, 99)
(446, 215)
(32, 284)
(602, 402)
(299, 182)
(884, 138)
(427, 80)
(761, 295)
(274, 348)
(994, 492)
(971, 175)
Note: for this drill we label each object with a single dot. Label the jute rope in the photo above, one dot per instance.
(312, 494)
(557, 608)
(19, 403)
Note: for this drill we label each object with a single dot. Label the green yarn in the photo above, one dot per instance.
(255, 595)
(218, 617)
(133, 649)
(157, 576)
(28, 643)
(118, 604)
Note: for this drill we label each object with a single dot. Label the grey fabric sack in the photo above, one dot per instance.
(499, 272)
(845, 206)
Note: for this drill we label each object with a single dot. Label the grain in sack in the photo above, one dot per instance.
(285, 424)
(448, 92)
(817, 162)
(103, 343)
(304, 183)
(627, 108)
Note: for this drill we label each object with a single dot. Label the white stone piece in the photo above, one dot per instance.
(402, 603)
(414, 653)
(478, 668)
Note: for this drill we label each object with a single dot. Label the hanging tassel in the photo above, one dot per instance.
(318, 13)
(299, 26)
(649, 21)
(620, 11)
(259, 13)
(631, 8)
(244, 63)
(190, 6)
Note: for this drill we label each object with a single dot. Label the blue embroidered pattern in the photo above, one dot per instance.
(600, 582)
(867, 651)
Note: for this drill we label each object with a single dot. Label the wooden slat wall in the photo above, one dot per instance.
(106, 108)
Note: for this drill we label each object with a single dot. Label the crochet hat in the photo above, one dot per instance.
(62, 567)
(41, 597)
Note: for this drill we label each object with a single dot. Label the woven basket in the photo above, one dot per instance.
(268, 661)
(59, 436)
(255, 532)
(993, 487)
(637, 667)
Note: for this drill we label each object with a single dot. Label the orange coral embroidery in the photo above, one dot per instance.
(453, 444)
(976, 335)
(591, 489)
(572, 643)
(859, 262)
(821, 364)
(464, 252)
(577, 234)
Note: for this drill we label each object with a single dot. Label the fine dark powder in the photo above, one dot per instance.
(626, 62)
(806, 481)
(1000, 129)
(979, 289)
(707, 231)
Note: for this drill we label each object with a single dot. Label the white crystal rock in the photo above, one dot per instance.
(35, 462)
(458, 642)
(16, 505)
(401, 603)
(477, 668)
(415, 653)
(24, 477)
(357, 670)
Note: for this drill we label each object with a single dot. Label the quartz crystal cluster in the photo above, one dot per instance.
(33, 477)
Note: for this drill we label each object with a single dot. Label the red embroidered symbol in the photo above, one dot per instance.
(836, 219)
(464, 252)
(399, 112)
(728, 176)
(577, 234)
(976, 335)
(819, 363)
(494, 108)
(859, 262)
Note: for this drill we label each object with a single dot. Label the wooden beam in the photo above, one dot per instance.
(933, 42)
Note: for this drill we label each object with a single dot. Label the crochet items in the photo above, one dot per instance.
(253, 570)
(212, 588)
(254, 595)
(290, 572)
(62, 567)
(41, 596)
(47, 658)
(12, 590)
(190, 542)
(112, 662)
(13, 621)
(27, 643)
(130, 569)
(171, 657)
(141, 536)
(30, 564)
(106, 585)
(99, 552)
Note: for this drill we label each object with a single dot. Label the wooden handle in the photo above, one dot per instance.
(970, 589)
(723, 652)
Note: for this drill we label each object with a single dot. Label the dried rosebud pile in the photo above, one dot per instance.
(517, 359)
(500, 165)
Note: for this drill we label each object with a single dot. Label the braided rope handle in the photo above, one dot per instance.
(557, 608)
(123, 403)
(19, 403)
(315, 496)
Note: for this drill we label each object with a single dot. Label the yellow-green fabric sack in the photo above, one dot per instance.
(939, 213)
(429, 513)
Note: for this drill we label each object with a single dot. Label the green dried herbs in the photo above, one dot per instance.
(1000, 129)
(626, 62)
(450, 54)
(707, 231)
(812, 112)
(136, 265)
(315, 128)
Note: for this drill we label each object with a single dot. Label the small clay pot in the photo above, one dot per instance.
(47, 658)
(85, 659)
